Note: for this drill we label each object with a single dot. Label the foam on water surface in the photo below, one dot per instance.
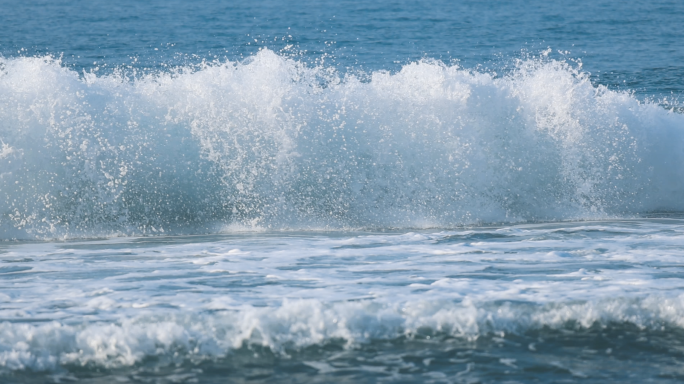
(270, 142)
(214, 301)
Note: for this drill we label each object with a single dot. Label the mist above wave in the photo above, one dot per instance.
(272, 142)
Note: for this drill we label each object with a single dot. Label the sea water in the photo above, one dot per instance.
(343, 191)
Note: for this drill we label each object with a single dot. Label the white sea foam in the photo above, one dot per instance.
(271, 142)
(119, 302)
(298, 324)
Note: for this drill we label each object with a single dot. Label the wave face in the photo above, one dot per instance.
(271, 142)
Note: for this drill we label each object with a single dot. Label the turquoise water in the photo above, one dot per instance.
(341, 192)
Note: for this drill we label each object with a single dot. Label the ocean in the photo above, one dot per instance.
(341, 191)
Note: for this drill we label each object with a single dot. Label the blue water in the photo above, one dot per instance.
(633, 45)
(341, 192)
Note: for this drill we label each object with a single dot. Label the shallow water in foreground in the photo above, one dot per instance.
(559, 302)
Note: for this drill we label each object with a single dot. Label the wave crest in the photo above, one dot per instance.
(271, 142)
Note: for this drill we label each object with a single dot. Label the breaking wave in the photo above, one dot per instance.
(271, 142)
(300, 324)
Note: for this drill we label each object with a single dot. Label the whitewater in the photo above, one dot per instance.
(319, 223)
(273, 143)
(569, 301)
(347, 192)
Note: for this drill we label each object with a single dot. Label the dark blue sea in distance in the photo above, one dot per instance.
(316, 192)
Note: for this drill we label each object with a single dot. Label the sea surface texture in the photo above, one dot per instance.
(341, 191)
